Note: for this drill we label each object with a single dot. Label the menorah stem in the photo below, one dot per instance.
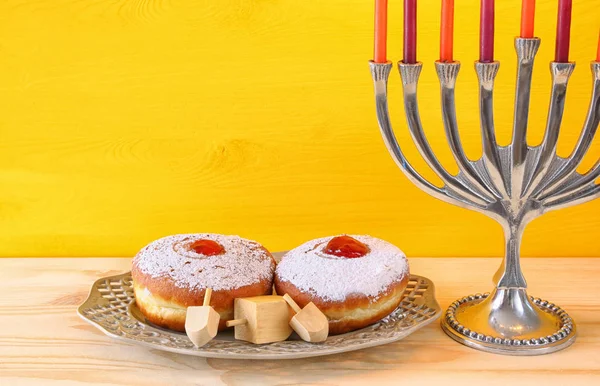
(508, 317)
(509, 275)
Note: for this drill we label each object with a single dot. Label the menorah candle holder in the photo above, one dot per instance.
(513, 185)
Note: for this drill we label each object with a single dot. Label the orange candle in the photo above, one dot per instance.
(598, 54)
(527, 18)
(447, 31)
(380, 54)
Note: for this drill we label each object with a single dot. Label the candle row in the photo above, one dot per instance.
(486, 30)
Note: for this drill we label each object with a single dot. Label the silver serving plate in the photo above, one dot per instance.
(111, 308)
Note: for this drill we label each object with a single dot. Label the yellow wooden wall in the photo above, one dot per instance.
(125, 120)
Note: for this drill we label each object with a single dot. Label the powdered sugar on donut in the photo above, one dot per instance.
(335, 278)
(244, 262)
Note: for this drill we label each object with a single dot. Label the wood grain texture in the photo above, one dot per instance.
(122, 121)
(43, 341)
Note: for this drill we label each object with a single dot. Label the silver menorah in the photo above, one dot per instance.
(512, 184)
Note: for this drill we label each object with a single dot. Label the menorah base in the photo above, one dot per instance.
(509, 322)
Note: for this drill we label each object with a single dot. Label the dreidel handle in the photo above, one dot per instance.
(288, 299)
(207, 295)
(236, 322)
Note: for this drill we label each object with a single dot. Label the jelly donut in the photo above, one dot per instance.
(354, 280)
(172, 273)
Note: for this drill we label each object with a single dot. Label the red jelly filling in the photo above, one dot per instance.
(346, 246)
(207, 247)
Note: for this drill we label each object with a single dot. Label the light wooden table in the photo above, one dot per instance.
(43, 341)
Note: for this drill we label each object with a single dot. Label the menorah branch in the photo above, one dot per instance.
(526, 51)
(581, 196)
(486, 73)
(447, 74)
(380, 73)
(561, 72)
(410, 78)
(590, 127)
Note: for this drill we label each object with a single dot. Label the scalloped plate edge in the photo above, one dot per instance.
(428, 296)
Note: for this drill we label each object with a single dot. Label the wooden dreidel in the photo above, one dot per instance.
(202, 323)
(309, 322)
(261, 319)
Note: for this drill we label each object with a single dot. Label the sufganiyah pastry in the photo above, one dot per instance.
(354, 280)
(173, 273)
